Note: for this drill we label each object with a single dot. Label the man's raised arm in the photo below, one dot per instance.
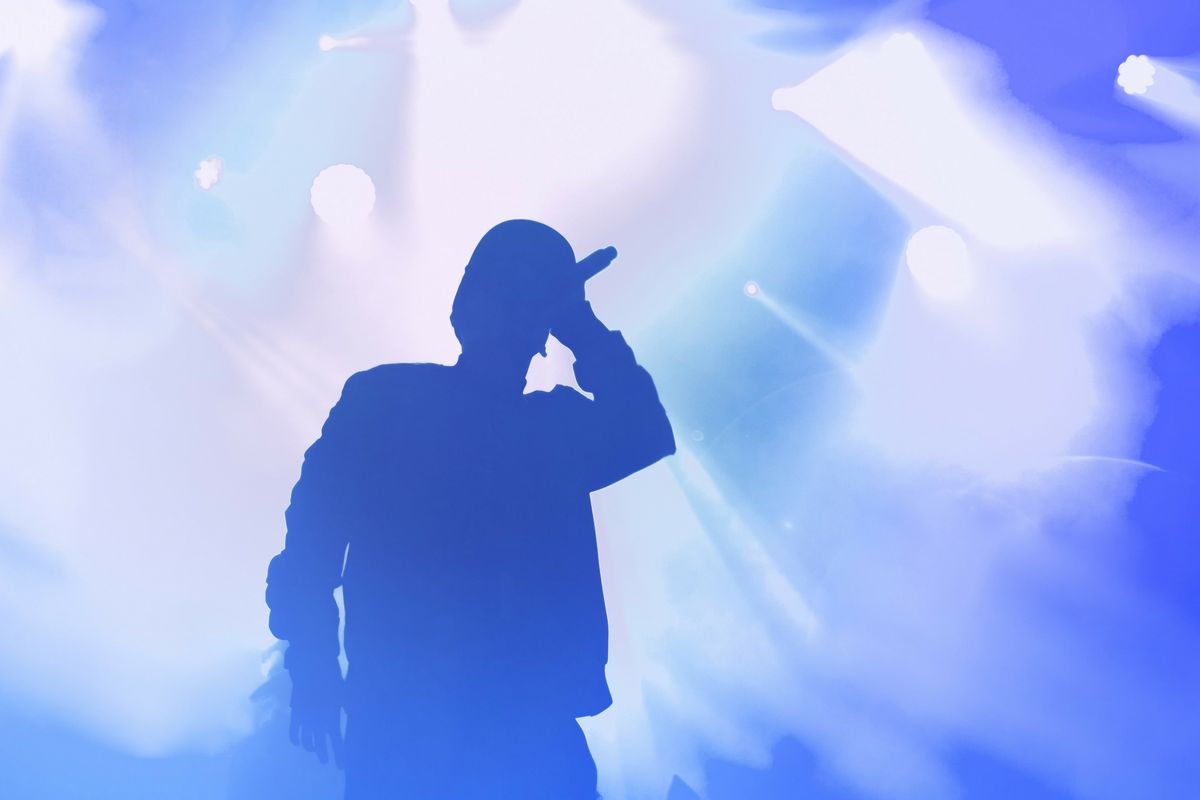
(624, 428)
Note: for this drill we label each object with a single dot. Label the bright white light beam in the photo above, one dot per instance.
(327, 43)
(802, 328)
(895, 105)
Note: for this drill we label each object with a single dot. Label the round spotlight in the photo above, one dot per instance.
(208, 172)
(342, 195)
(1136, 74)
(326, 42)
(939, 262)
(751, 289)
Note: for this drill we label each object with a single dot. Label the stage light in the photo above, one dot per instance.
(327, 43)
(208, 172)
(751, 289)
(1163, 87)
(1135, 75)
(939, 262)
(342, 195)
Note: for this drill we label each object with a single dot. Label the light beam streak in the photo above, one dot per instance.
(805, 331)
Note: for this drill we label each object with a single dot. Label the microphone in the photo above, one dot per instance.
(594, 264)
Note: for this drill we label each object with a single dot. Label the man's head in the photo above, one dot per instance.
(514, 280)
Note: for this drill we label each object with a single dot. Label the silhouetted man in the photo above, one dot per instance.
(454, 511)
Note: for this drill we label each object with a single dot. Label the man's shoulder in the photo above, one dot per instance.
(391, 374)
(393, 380)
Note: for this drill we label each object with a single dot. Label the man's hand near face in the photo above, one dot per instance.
(574, 322)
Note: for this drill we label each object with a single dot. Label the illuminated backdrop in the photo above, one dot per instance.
(917, 282)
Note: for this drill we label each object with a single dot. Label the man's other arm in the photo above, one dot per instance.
(301, 579)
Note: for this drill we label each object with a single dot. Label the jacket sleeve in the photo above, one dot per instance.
(624, 428)
(302, 578)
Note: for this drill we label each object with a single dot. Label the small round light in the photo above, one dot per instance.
(342, 195)
(208, 172)
(939, 262)
(1136, 74)
(751, 289)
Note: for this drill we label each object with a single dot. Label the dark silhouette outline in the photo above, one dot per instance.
(454, 510)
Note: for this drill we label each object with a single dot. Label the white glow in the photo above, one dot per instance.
(208, 172)
(938, 260)
(35, 31)
(892, 106)
(563, 145)
(41, 42)
(1135, 75)
(342, 195)
(326, 43)
(751, 289)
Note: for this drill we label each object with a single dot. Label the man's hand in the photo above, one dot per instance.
(574, 321)
(576, 324)
(316, 722)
